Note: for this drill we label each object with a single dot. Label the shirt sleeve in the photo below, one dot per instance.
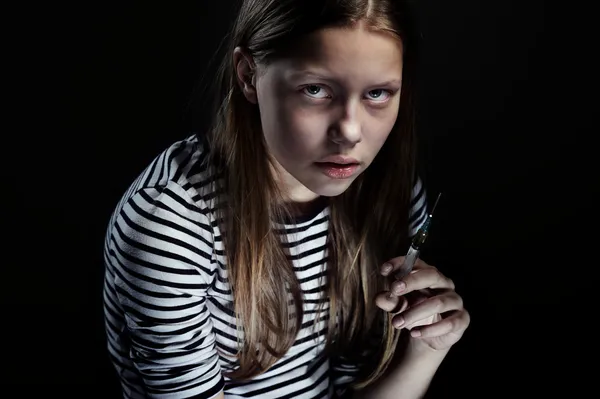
(418, 208)
(344, 373)
(165, 248)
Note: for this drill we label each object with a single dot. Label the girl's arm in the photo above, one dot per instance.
(433, 317)
(408, 379)
(161, 248)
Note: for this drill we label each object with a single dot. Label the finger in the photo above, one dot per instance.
(392, 304)
(435, 305)
(425, 278)
(455, 323)
(416, 297)
(395, 265)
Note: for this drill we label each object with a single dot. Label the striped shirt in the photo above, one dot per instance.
(171, 332)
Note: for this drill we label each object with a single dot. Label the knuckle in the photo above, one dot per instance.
(440, 279)
(432, 272)
(450, 283)
(467, 316)
(461, 322)
(438, 303)
(397, 261)
(457, 299)
(459, 302)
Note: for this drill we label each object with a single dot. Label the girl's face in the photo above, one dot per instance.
(338, 95)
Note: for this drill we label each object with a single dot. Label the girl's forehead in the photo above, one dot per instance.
(336, 53)
(347, 45)
(342, 41)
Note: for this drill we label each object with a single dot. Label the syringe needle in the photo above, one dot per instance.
(415, 247)
(434, 205)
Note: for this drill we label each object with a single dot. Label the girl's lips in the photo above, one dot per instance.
(337, 170)
(339, 159)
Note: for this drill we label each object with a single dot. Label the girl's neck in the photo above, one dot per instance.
(301, 211)
(301, 203)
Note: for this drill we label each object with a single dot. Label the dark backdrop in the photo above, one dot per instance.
(102, 88)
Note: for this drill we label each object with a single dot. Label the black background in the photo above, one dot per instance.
(100, 89)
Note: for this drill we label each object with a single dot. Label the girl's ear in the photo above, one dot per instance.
(245, 69)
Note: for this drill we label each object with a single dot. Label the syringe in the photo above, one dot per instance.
(416, 244)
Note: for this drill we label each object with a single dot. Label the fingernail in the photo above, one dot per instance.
(415, 333)
(386, 268)
(399, 322)
(399, 287)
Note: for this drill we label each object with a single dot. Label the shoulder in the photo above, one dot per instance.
(167, 209)
(185, 163)
(181, 171)
(162, 230)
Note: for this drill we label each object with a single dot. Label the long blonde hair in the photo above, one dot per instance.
(368, 222)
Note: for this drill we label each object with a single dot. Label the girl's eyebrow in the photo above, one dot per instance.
(304, 73)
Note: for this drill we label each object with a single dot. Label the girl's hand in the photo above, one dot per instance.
(424, 302)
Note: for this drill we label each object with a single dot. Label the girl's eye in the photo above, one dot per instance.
(318, 92)
(380, 95)
(314, 91)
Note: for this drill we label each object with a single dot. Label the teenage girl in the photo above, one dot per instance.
(259, 259)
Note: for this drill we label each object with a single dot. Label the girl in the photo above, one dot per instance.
(257, 260)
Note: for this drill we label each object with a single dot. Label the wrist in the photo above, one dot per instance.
(413, 349)
(417, 349)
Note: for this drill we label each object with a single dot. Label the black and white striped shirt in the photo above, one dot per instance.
(167, 300)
